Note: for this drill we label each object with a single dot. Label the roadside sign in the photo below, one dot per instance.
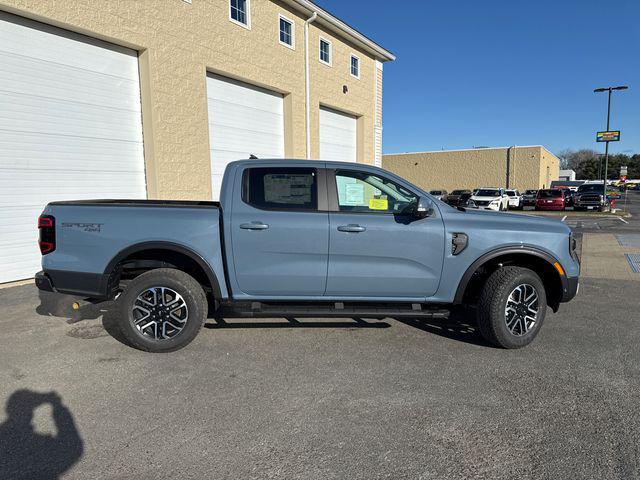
(609, 136)
(623, 171)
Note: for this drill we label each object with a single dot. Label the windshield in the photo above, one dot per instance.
(592, 187)
(549, 193)
(530, 192)
(436, 192)
(485, 192)
(458, 192)
(511, 193)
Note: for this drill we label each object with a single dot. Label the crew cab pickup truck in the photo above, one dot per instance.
(306, 239)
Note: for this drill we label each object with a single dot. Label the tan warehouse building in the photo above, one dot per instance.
(152, 98)
(513, 167)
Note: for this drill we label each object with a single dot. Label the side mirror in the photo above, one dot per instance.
(424, 208)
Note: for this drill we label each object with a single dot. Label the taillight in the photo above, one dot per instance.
(47, 229)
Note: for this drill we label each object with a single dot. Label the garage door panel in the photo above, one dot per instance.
(92, 88)
(35, 40)
(243, 120)
(338, 136)
(50, 116)
(261, 121)
(32, 150)
(70, 128)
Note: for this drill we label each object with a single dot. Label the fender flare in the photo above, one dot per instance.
(161, 245)
(483, 259)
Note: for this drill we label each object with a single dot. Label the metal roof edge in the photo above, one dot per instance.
(340, 27)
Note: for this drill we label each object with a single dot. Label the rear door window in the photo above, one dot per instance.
(281, 188)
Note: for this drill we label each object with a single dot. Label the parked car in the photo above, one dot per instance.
(515, 199)
(550, 199)
(438, 193)
(490, 198)
(465, 200)
(568, 197)
(529, 198)
(453, 198)
(381, 248)
(590, 197)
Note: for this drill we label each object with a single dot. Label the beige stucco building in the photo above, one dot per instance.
(525, 167)
(152, 98)
(179, 42)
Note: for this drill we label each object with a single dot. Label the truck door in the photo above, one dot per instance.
(375, 249)
(280, 233)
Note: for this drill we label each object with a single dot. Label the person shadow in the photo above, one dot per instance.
(27, 454)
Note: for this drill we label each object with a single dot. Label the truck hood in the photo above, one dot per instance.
(508, 221)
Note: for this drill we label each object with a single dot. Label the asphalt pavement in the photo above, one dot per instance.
(323, 399)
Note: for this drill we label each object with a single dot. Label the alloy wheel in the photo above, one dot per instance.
(159, 313)
(521, 310)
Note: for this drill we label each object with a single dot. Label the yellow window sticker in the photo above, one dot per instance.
(378, 204)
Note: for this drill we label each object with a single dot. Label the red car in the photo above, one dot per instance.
(550, 200)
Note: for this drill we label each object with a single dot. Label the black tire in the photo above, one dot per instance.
(179, 282)
(492, 320)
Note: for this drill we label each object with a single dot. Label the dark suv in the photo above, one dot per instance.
(455, 196)
(590, 196)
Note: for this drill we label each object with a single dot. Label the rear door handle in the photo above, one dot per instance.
(254, 226)
(353, 228)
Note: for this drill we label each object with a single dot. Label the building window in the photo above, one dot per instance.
(325, 51)
(239, 12)
(286, 32)
(355, 66)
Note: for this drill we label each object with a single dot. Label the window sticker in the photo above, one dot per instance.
(354, 194)
(378, 204)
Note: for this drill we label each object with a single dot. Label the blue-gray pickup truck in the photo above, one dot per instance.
(306, 239)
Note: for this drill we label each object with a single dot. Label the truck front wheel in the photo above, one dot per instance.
(161, 310)
(512, 307)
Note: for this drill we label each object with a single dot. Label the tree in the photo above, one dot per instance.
(588, 164)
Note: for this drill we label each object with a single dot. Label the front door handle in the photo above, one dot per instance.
(254, 226)
(352, 227)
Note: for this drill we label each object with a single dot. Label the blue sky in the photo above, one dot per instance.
(503, 72)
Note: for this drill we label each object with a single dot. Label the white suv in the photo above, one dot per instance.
(515, 199)
(490, 198)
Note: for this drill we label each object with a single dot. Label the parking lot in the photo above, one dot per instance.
(340, 398)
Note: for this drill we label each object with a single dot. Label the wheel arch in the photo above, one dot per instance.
(535, 259)
(161, 254)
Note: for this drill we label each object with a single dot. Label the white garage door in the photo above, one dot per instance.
(243, 120)
(338, 136)
(70, 128)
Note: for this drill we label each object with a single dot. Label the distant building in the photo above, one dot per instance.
(567, 175)
(530, 167)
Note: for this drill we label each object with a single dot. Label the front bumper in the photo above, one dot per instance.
(495, 208)
(570, 288)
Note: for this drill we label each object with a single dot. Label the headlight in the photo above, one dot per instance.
(471, 204)
(495, 202)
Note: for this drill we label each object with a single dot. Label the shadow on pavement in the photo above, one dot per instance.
(27, 454)
(56, 305)
(460, 326)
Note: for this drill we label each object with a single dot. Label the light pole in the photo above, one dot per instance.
(606, 147)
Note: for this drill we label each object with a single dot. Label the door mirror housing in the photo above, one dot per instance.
(424, 208)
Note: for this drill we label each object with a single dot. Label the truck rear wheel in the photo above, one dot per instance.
(512, 307)
(161, 310)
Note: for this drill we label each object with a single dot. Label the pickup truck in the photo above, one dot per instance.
(300, 238)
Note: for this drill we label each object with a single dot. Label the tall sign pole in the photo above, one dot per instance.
(608, 135)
